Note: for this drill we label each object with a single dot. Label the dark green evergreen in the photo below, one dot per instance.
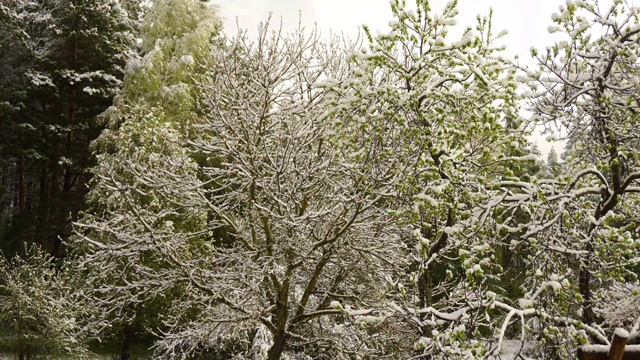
(61, 63)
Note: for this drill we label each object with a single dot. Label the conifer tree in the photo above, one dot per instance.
(62, 63)
(553, 163)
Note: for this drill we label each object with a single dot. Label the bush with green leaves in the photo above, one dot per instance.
(42, 308)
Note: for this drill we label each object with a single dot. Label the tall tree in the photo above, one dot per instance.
(62, 69)
(581, 236)
(310, 241)
(301, 218)
(20, 146)
(145, 177)
(441, 115)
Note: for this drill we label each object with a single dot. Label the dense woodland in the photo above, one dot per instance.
(294, 196)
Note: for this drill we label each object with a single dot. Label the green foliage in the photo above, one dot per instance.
(176, 40)
(41, 307)
(554, 165)
(145, 187)
(442, 116)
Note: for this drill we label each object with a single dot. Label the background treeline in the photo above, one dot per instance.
(62, 64)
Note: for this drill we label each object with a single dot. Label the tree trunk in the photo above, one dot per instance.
(280, 317)
(279, 343)
(22, 193)
(67, 185)
(585, 292)
(127, 342)
(425, 287)
(60, 226)
(53, 169)
(584, 281)
(64, 204)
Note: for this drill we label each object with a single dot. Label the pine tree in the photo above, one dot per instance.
(553, 163)
(60, 71)
(20, 145)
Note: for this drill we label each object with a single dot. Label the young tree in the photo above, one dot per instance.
(41, 307)
(146, 183)
(310, 243)
(441, 116)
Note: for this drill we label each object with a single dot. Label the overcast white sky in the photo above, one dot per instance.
(525, 20)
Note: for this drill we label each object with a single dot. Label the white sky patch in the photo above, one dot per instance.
(249, 13)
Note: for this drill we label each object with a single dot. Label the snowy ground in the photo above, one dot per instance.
(510, 349)
(97, 357)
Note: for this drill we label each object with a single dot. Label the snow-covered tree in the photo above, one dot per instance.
(553, 165)
(142, 198)
(588, 84)
(275, 238)
(581, 234)
(309, 243)
(440, 114)
(577, 232)
(176, 38)
(145, 187)
(41, 310)
(621, 306)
